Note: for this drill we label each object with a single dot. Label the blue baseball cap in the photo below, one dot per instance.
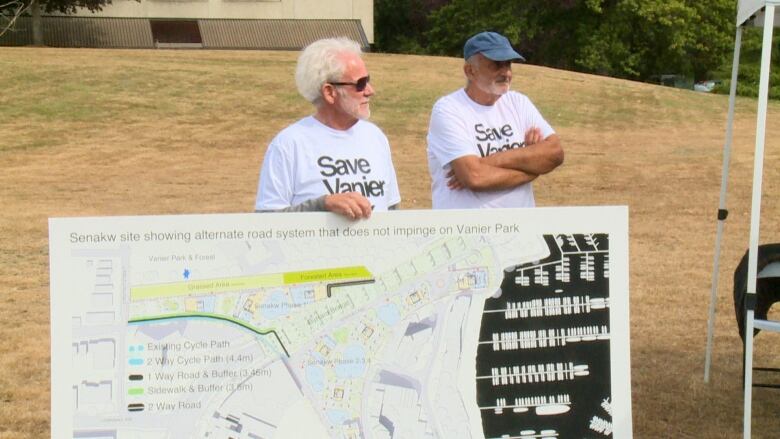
(492, 45)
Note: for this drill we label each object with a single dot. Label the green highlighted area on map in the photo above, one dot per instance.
(247, 282)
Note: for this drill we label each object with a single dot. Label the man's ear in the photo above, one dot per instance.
(468, 70)
(328, 92)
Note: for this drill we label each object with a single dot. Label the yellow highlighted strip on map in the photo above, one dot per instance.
(204, 286)
(328, 274)
(175, 289)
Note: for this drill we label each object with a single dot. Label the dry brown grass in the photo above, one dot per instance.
(99, 132)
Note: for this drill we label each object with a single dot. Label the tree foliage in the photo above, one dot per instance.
(750, 66)
(624, 38)
(62, 6)
(400, 24)
(10, 10)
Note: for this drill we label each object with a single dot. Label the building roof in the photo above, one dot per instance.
(107, 32)
(286, 34)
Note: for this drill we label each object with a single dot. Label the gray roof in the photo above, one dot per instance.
(83, 32)
(108, 32)
(276, 34)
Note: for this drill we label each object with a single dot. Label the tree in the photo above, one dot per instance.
(750, 65)
(625, 38)
(714, 36)
(453, 23)
(9, 12)
(632, 39)
(638, 38)
(13, 9)
(401, 24)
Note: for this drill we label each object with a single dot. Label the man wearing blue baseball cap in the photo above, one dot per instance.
(486, 144)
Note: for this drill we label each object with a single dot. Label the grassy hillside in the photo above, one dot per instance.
(102, 132)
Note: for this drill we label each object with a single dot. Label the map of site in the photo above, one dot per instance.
(413, 324)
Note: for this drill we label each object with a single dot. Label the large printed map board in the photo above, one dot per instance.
(413, 324)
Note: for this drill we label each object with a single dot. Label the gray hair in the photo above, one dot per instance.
(473, 61)
(320, 62)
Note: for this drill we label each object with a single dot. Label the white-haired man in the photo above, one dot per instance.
(334, 160)
(486, 144)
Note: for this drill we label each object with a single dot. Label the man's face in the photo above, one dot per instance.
(350, 101)
(491, 77)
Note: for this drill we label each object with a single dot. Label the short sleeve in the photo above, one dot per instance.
(275, 189)
(448, 136)
(393, 195)
(534, 118)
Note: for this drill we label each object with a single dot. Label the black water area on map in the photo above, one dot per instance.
(546, 367)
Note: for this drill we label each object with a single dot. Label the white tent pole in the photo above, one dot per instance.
(722, 212)
(748, 382)
(755, 211)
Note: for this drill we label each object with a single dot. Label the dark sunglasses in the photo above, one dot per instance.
(359, 85)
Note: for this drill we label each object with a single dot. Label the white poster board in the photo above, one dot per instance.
(475, 324)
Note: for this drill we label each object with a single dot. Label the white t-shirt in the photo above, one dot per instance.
(460, 127)
(308, 159)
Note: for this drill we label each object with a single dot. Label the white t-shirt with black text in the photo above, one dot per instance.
(309, 159)
(460, 127)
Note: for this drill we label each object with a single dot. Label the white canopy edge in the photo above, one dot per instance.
(751, 12)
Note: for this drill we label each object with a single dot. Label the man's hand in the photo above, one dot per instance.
(352, 205)
(452, 181)
(533, 135)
